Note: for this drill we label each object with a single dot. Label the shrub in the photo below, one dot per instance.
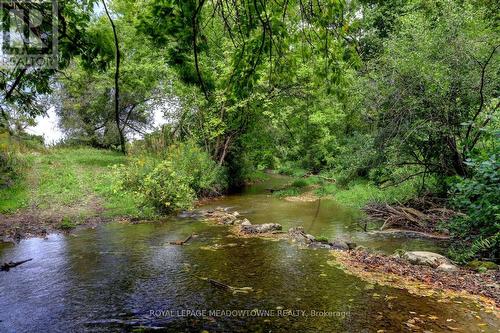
(173, 182)
(290, 169)
(67, 224)
(479, 229)
(206, 178)
(322, 239)
(288, 192)
(167, 189)
(10, 163)
(300, 183)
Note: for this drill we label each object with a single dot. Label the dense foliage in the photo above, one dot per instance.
(478, 198)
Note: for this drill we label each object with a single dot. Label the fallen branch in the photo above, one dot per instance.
(419, 214)
(219, 284)
(330, 180)
(180, 242)
(8, 265)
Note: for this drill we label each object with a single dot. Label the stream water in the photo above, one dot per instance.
(122, 277)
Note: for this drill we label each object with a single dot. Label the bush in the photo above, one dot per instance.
(290, 169)
(479, 229)
(10, 163)
(289, 192)
(174, 182)
(206, 178)
(67, 224)
(300, 183)
(167, 189)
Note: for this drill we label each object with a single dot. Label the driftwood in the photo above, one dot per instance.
(419, 214)
(182, 242)
(219, 284)
(8, 265)
(411, 234)
(223, 286)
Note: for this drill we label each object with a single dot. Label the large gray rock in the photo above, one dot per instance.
(260, 228)
(425, 258)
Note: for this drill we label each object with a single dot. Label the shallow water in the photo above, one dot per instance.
(121, 277)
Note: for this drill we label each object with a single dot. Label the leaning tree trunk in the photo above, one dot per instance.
(117, 78)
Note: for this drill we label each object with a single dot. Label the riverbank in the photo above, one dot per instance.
(65, 188)
(422, 280)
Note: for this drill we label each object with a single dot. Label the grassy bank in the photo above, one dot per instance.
(356, 194)
(69, 184)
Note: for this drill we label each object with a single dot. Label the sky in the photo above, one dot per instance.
(47, 126)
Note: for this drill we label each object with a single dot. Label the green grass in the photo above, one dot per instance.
(67, 224)
(291, 170)
(322, 239)
(256, 176)
(360, 192)
(288, 192)
(301, 182)
(76, 178)
(14, 197)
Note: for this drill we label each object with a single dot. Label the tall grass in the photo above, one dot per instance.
(359, 193)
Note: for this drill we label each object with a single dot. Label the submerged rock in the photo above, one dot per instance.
(320, 245)
(219, 215)
(425, 258)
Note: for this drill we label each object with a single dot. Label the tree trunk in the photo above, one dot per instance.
(117, 78)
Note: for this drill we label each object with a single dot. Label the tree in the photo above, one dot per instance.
(434, 88)
(116, 80)
(241, 55)
(86, 100)
(22, 85)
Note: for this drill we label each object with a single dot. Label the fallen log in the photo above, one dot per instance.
(411, 234)
(219, 284)
(223, 286)
(8, 265)
(180, 242)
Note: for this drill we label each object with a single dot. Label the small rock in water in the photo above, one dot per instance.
(340, 245)
(246, 222)
(310, 237)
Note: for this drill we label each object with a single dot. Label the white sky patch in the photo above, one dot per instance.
(47, 126)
